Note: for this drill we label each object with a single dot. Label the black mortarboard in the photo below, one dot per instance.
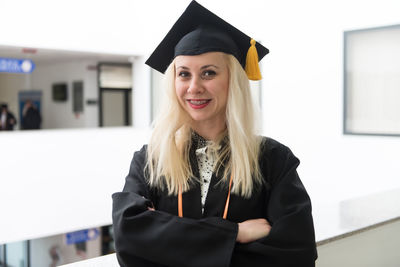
(198, 31)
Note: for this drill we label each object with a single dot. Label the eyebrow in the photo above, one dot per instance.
(203, 67)
(207, 66)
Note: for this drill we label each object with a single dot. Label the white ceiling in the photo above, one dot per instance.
(39, 55)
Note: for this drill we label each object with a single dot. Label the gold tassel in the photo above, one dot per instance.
(252, 68)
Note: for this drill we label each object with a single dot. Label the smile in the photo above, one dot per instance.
(198, 103)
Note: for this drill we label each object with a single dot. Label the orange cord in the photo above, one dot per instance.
(180, 211)
(228, 198)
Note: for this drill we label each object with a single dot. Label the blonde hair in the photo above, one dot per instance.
(168, 162)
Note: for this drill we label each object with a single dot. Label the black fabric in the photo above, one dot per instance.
(161, 238)
(207, 39)
(198, 31)
(32, 119)
(9, 123)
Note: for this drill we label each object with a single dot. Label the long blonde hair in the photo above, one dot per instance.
(168, 150)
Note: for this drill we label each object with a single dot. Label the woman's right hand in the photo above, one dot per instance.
(252, 230)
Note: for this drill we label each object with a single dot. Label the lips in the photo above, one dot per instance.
(198, 103)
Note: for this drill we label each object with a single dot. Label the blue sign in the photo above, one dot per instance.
(81, 236)
(14, 65)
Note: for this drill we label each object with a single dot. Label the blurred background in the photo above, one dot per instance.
(78, 100)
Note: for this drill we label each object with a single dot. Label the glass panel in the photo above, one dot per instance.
(17, 254)
(66, 248)
(372, 81)
(107, 237)
(2, 263)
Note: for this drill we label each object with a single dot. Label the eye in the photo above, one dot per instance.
(184, 74)
(209, 73)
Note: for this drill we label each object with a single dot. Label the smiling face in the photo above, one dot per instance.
(201, 84)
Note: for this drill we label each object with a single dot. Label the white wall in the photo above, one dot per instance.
(141, 94)
(97, 26)
(60, 114)
(57, 181)
(303, 95)
(303, 100)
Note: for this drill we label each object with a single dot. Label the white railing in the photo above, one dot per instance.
(339, 251)
(103, 261)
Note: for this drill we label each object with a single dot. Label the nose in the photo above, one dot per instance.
(195, 86)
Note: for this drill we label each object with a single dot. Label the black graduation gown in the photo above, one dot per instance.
(161, 238)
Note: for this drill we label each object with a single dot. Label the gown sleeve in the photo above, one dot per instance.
(155, 238)
(291, 241)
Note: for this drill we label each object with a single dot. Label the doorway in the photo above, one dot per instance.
(115, 107)
(115, 90)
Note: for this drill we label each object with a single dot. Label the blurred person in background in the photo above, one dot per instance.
(31, 118)
(7, 119)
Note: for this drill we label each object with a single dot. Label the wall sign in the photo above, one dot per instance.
(14, 65)
(81, 236)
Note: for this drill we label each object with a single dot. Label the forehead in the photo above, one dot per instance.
(217, 59)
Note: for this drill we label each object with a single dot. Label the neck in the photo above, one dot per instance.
(209, 131)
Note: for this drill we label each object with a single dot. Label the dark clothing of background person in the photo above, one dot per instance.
(9, 122)
(160, 238)
(31, 119)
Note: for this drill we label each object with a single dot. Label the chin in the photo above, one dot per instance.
(198, 116)
(198, 119)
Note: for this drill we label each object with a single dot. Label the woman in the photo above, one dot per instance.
(207, 190)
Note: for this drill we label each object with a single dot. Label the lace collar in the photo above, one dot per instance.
(199, 141)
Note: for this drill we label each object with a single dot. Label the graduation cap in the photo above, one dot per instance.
(199, 31)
